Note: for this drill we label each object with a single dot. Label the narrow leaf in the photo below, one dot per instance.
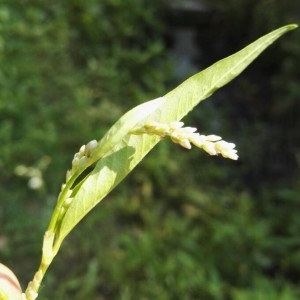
(121, 151)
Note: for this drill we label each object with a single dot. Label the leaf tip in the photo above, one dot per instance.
(292, 26)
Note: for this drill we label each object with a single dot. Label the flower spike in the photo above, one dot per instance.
(185, 136)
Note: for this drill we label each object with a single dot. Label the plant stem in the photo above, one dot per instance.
(48, 254)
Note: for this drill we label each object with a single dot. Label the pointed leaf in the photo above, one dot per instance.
(121, 151)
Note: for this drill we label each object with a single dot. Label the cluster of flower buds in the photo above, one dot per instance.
(81, 158)
(185, 136)
(68, 198)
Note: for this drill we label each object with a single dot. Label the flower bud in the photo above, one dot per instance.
(209, 147)
(175, 125)
(82, 149)
(67, 202)
(90, 147)
(75, 162)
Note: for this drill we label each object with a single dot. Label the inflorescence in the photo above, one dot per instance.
(185, 136)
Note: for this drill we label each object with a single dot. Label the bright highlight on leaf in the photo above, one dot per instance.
(132, 137)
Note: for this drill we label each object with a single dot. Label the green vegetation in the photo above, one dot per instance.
(67, 70)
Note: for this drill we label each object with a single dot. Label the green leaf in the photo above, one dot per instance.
(119, 151)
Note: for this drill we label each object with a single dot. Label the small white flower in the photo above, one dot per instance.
(209, 147)
(187, 131)
(227, 150)
(198, 140)
(213, 138)
(184, 142)
(75, 162)
(82, 149)
(90, 147)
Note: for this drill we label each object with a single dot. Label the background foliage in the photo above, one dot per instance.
(183, 225)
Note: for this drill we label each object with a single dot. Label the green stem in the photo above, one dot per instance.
(48, 254)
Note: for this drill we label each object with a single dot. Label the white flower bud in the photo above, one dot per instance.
(77, 155)
(185, 143)
(198, 140)
(67, 202)
(213, 138)
(68, 175)
(231, 155)
(209, 147)
(83, 161)
(82, 149)
(223, 146)
(188, 132)
(175, 125)
(227, 149)
(75, 162)
(90, 147)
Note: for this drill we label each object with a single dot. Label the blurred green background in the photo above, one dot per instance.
(183, 225)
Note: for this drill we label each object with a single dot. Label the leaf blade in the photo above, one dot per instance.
(122, 151)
